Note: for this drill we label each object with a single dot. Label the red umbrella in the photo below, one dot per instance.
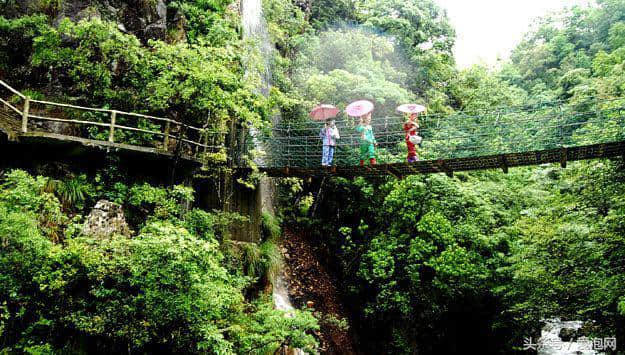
(411, 108)
(323, 112)
(359, 108)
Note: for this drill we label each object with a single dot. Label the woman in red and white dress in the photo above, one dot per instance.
(411, 127)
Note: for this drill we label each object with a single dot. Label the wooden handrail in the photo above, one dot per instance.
(149, 117)
(84, 108)
(12, 90)
(44, 118)
(71, 106)
(11, 106)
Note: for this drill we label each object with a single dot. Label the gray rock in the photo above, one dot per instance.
(161, 10)
(111, 9)
(106, 219)
(235, 6)
(122, 28)
(63, 128)
(568, 334)
(156, 31)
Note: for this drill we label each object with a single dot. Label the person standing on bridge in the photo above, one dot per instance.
(329, 134)
(367, 140)
(363, 109)
(411, 128)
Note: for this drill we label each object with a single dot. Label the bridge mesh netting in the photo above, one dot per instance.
(461, 135)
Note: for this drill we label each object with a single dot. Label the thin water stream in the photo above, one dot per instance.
(282, 302)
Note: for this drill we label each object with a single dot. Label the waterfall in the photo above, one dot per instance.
(255, 29)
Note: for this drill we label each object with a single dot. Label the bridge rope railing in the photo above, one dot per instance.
(560, 125)
(34, 116)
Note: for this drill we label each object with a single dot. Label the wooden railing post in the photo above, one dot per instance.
(205, 141)
(112, 131)
(232, 153)
(25, 114)
(166, 139)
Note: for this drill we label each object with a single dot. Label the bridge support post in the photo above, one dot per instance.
(442, 166)
(25, 114)
(504, 164)
(112, 131)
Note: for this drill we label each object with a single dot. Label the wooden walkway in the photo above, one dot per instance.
(10, 129)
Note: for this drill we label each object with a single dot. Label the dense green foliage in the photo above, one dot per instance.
(330, 69)
(426, 264)
(583, 57)
(439, 263)
(168, 288)
(436, 265)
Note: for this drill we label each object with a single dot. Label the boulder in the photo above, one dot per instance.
(146, 20)
(568, 334)
(106, 219)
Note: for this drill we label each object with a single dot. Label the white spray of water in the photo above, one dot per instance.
(553, 345)
(281, 295)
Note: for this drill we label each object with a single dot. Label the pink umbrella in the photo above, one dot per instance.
(323, 112)
(359, 108)
(411, 108)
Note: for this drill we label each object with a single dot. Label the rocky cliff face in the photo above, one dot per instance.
(147, 19)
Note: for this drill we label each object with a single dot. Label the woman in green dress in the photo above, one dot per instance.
(367, 140)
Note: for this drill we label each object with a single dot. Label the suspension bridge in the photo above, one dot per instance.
(553, 132)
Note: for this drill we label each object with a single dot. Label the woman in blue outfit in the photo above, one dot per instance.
(329, 134)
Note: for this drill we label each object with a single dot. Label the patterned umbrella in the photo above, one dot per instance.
(411, 108)
(323, 112)
(359, 108)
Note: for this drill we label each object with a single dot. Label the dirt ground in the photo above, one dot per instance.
(312, 284)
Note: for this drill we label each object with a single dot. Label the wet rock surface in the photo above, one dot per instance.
(569, 334)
